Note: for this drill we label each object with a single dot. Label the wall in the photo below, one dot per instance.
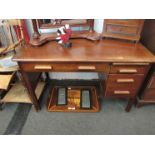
(98, 26)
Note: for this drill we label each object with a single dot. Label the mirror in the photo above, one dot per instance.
(54, 23)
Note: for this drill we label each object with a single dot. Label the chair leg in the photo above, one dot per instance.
(129, 105)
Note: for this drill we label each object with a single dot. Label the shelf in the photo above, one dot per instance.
(5, 80)
(74, 105)
(18, 93)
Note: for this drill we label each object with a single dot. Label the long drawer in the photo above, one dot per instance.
(123, 85)
(129, 68)
(65, 67)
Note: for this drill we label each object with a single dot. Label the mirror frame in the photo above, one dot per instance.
(39, 39)
(89, 23)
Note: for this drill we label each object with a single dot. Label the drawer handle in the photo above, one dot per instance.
(86, 67)
(119, 92)
(128, 71)
(125, 80)
(42, 67)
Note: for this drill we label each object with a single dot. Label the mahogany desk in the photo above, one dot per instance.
(126, 64)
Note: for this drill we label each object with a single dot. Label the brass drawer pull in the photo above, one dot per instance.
(119, 92)
(42, 67)
(128, 71)
(86, 67)
(125, 80)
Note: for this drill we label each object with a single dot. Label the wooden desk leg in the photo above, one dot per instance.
(130, 103)
(47, 76)
(31, 91)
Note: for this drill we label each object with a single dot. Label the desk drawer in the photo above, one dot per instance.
(124, 80)
(125, 85)
(66, 67)
(129, 68)
(122, 93)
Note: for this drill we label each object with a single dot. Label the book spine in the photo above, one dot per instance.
(25, 32)
(18, 32)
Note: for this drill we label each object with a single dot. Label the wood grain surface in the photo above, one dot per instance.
(83, 50)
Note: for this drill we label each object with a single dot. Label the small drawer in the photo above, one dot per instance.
(122, 29)
(124, 81)
(65, 67)
(123, 93)
(129, 68)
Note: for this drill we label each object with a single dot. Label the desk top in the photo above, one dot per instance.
(82, 50)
